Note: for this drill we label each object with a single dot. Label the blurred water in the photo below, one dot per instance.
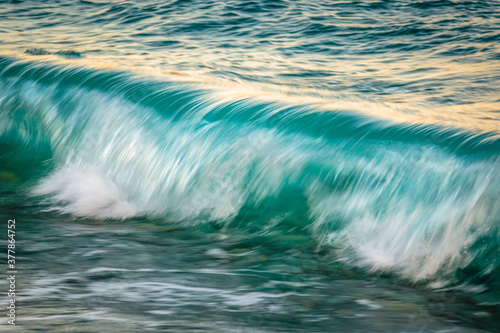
(437, 59)
(262, 166)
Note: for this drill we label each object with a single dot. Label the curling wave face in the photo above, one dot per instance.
(416, 200)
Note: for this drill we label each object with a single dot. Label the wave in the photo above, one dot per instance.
(419, 200)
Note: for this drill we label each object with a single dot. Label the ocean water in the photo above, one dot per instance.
(251, 166)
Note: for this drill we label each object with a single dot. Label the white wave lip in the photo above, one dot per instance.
(85, 194)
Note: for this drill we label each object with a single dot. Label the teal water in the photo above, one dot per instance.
(266, 166)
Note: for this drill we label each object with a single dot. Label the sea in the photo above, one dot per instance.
(250, 166)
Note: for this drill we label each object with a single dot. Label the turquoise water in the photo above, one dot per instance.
(265, 166)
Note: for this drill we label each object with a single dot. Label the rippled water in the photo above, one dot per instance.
(439, 60)
(262, 166)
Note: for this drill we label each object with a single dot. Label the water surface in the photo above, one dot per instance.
(262, 166)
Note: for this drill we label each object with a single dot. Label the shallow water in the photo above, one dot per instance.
(265, 166)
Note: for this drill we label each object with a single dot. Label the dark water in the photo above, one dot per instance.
(262, 166)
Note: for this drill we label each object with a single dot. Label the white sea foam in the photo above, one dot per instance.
(85, 194)
(418, 215)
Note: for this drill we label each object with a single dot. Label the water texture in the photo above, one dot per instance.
(262, 166)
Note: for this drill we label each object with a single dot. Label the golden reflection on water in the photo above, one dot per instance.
(397, 105)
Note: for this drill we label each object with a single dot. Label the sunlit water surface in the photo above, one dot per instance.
(252, 166)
